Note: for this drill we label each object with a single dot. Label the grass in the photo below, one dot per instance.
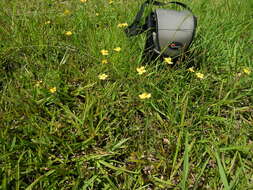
(93, 134)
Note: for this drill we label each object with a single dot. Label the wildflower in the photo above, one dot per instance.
(48, 22)
(117, 49)
(121, 25)
(66, 12)
(247, 71)
(103, 76)
(83, 1)
(68, 33)
(97, 14)
(110, 2)
(52, 90)
(145, 95)
(104, 52)
(168, 60)
(200, 75)
(141, 70)
(191, 69)
(104, 61)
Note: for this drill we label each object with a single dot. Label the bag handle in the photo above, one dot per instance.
(135, 28)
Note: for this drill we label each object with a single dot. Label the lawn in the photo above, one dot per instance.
(71, 116)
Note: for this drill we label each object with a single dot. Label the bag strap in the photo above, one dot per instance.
(135, 28)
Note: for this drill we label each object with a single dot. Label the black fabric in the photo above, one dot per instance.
(150, 26)
(149, 53)
(135, 28)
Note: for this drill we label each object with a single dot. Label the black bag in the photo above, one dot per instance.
(169, 32)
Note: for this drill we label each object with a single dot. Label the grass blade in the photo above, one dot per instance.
(222, 172)
(89, 182)
(201, 173)
(176, 154)
(116, 168)
(30, 187)
(186, 163)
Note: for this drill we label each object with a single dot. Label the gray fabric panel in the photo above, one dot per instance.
(174, 26)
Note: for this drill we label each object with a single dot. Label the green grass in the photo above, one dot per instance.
(93, 134)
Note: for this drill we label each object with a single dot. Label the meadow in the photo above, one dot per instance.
(78, 110)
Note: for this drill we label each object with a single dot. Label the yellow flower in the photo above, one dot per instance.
(66, 12)
(191, 69)
(117, 49)
(145, 95)
(104, 52)
(97, 14)
(52, 90)
(104, 61)
(140, 70)
(121, 25)
(247, 71)
(168, 60)
(68, 33)
(48, 22)
(103, 76)
(110, 2)
(83, 1)
(200, 75)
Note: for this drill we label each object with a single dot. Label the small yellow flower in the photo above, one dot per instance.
(103, 76)
(53, 90)
(68, 33)
(121, 25)
(117, 49)
(200, 75)
(104, 52)
(145, 95)
(247, 71)
(141, 70)
(83, 1)
(168, 60)
(66, 12)
(191, 69)
(97, 14)
(48, 22)
(110, 2)
(104, 61)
